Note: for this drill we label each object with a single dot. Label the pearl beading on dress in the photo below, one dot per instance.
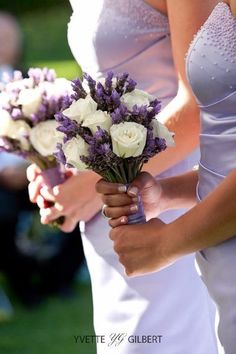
(213, 52)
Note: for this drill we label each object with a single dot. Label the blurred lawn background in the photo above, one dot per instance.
(44, 26)
(45, 35)
(50, 328)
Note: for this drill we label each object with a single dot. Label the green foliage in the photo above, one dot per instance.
(45, 34)
(45, 41)
(64, 68)
(50, 328)
(22, 6)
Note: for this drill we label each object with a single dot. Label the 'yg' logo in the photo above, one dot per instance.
(116, 339)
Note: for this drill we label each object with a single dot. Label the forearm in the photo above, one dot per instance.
(209, 223)
(179, 191)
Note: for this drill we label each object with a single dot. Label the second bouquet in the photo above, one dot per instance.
(111, 128)
(27, 123)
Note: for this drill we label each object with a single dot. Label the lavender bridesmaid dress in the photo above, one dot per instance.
(211, 66)
(129, 35)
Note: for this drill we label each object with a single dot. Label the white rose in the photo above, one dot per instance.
(98, 119)
(136, 97)
(57, 88)
(45, 136)
(21, 131)
(4, 99)
(27, 82)
(15, 85)
(18, 130)
(78, 110)
(73, 149)
(5, 123)
(128, 139)
(160, 131)
(30, 99)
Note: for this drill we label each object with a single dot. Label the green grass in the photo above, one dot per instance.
(50, 328)
(64, 68)
(45, 34)
(45, 41)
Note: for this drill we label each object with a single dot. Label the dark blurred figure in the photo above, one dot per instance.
(10, 44)
(29, 276)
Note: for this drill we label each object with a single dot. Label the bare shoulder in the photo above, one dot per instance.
(185, 18)
(232, 4)
(159, 5)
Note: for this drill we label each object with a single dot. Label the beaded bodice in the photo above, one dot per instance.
(124, 35)
(212, 57)
(211, 69)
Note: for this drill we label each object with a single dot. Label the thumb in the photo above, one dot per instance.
(142, 181)
(155, 222)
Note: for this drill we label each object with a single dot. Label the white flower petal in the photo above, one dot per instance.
(78, 110)
(45, 136)
(136, 97)
(128, 139)
(30, 99)
(18, 130)
(73, 149)
(98, 119)
(161, 131)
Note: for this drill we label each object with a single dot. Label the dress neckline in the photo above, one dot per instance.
(228, 8)
(230, 14)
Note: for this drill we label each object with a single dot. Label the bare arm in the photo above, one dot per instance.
(181, 115)
(212, 221)
(157, 245)
(232, 4)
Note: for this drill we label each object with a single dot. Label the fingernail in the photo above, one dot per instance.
(122, 188)
(133, 191)
(134, 207)
(123, 220)
(44, 189)
(135, 200)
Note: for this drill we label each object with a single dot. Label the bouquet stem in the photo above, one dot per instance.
(139, 217)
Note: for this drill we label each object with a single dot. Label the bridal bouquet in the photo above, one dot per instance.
(27, 123)
(111, 128)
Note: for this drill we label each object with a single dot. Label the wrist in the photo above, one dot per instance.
(165, 248)
(174, 245)
(165, 195)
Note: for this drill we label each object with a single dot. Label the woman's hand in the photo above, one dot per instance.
(76, 199)
(148, 247)
(143, 248)
(121, 202)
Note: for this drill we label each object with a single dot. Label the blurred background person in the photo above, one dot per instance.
(10, 44)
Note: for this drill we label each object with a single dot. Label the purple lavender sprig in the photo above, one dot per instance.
(40, 75)
(120, 114)
(100, 155)
(49, 104)
(59, 155)
(79, 91)
(106, 95)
